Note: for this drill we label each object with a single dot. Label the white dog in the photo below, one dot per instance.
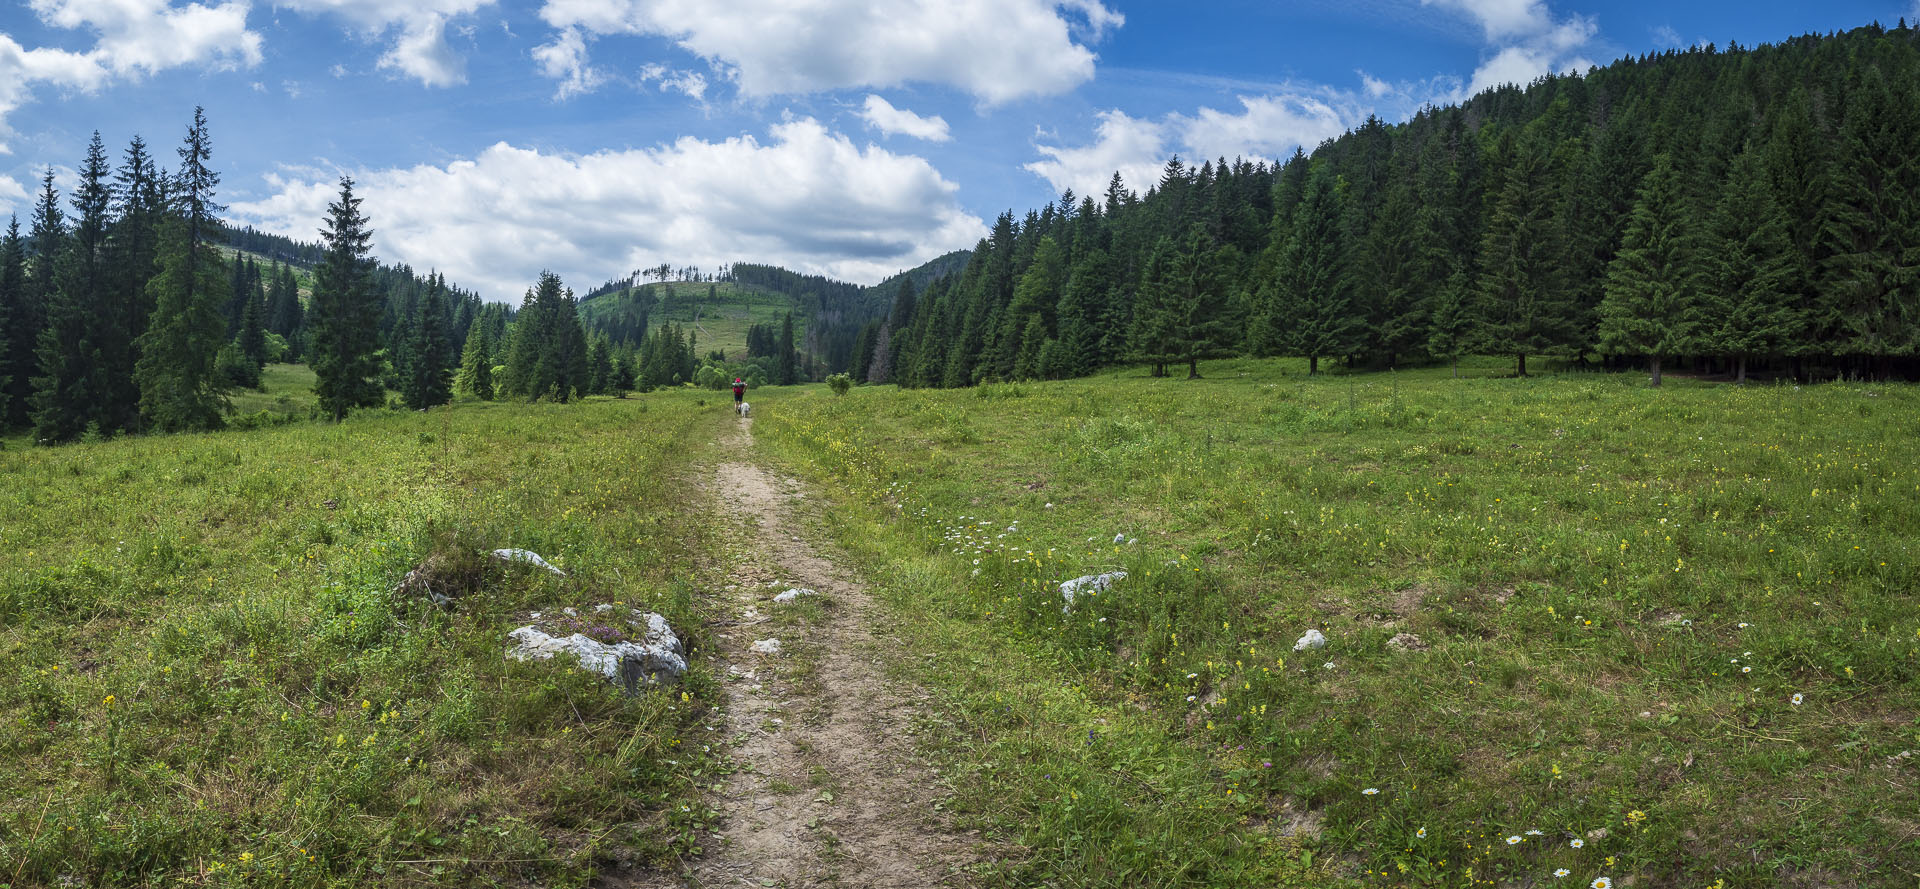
(745, 409)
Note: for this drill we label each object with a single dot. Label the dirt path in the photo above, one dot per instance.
(829, 792)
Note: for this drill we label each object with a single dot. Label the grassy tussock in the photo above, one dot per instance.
(1673, 625)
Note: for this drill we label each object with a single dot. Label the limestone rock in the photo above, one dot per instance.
(1089, 583)
(766, 646)
(527, 556)
(1407, 642)
(792, 594)
(1314, 639)
(639, 649)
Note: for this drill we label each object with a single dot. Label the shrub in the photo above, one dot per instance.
(840, 383)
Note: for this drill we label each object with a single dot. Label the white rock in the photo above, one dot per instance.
(569, 612)
(657, 657)
(766, 646)
(1089, 583)
(1313, 639)
(602, 608)
(793, 594)
(527, 556)
(1119, 538)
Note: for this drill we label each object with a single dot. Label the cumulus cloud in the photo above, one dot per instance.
(997, 50)
(419, 33)
(134, 38)
(14, 199)
(1267, 126)
(806, 198)
(881, 115)
(565, 60)
(1525, 41)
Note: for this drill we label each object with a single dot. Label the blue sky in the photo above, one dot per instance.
(492, 139)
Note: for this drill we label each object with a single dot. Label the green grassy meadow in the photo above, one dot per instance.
(209, 680)
(1667, 637)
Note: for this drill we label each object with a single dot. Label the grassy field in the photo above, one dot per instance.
(285, 389)
(720, 321)
(209, 679)
(1661, 637)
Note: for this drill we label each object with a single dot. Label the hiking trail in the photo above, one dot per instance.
(828, 791)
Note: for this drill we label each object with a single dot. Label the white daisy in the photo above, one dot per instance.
(1562, 872)
(1796, 700)
(1513, 841)
(1371, 791)
(1576, 842)
(1602, 883)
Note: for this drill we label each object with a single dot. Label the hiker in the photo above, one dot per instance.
(739, 392)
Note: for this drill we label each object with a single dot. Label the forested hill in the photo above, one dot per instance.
(1736, 207)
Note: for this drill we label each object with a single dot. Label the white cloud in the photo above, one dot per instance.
(419, 29)
(1134, 147)
(1525, 41)
(1266, 127)
(806, 198)
(691, 84)
(565, 60)
(881, 115)
(1665, 37)
(134, 38)
(997, 50)
(14, 198)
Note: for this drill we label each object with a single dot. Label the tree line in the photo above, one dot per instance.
(1740, 209)
(119, 314)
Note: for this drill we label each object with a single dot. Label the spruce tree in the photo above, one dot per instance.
(1870, 234)
(785, 371)
(1451, 328)
(253, 333)
(880, 369)
(70, 393)
(1197, 300)
(13, 280)
(179, 388)
(1522, 290)
(476, 365)
(599, 367)
(345, 315)
(1314, 304)
(427, 376)
(1747, 270)
(1652, 305)
(1152, 334)
(1026, 365)
(565, 366)
(521, 360)
(29, 313)
(133, 242)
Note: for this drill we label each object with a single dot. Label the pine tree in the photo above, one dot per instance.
(1453, 324)
(345, 315)
(476, 365)
(13, 280)
(1152, 336)
(600, 368)
(565, 368)
(179, 388)
(1747, 271)
(1197, 301)
(253, 333)
(1026, 365)
(133, 243)
(29, 313)
(1652, 305)
(1314, 305)
(70, 393)
(1870, 234)
(1526, 304)
(786, 373)
(428, 379)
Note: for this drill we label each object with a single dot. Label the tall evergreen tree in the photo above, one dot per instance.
(476, 364)
(13, 282)
(1528, 309)
(1870, 233)
(429, 377)
(1747, 270)
(29, 314)
(133, 241)
(786, 373)
(600, 367)
(1652, 306)
(179, 388)
(70, 393)
(1314, 305)
(345, 314)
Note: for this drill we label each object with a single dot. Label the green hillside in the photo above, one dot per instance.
(718, 313)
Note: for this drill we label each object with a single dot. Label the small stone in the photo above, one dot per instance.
(1597, 834)
(766, 646)
(526, 556)
(792, 594)
(1089, 583)
(1314, 639)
